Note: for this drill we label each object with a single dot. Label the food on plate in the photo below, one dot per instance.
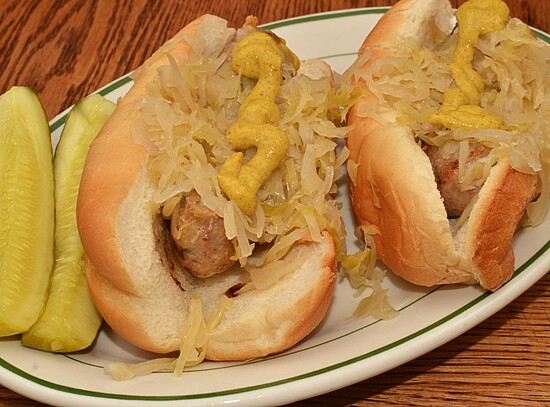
(205, 207)
(450, 150)
(70, 321)
(26, 210)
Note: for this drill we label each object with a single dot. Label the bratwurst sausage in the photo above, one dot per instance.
(199, 238)
(445, 163)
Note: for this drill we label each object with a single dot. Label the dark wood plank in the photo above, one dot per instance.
(68, 49)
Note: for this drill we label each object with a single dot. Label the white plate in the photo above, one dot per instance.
(341, 352)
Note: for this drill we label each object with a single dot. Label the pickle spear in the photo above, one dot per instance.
(26, 210)
(70, 320)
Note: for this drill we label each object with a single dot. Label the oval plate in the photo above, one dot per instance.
(340, 352)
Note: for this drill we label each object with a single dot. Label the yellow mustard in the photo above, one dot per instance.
(256, 56)
(460, 108)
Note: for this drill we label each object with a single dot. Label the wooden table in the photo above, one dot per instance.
(60, 49)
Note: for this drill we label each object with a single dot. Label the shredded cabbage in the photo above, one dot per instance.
(193, 336)
(182, 122)
(515, 67)
(183, 119)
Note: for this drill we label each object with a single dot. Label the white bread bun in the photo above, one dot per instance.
(395, 188)
(137, 287)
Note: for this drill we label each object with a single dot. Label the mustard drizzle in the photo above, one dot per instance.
(256, 56)
(461, 105)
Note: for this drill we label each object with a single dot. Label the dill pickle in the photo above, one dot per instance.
(70, 321)
(26, 210)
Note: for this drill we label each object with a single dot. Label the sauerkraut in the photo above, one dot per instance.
(182, 122)
(193, 344)
(515, 68)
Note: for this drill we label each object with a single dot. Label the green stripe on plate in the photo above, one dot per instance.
(324, 16)
(105, 91)
(124, 80)
(359, 358)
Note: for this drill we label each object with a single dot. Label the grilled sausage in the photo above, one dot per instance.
(199, 238)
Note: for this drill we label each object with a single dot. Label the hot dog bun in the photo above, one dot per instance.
(394, 187)
(138, 286)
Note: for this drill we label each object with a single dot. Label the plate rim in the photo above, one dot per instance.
(541, 257)
(439, 324)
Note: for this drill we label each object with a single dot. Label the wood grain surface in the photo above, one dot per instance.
(66, 49)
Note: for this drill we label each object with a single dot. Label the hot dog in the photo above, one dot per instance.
(211, 184)
(449, 154)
